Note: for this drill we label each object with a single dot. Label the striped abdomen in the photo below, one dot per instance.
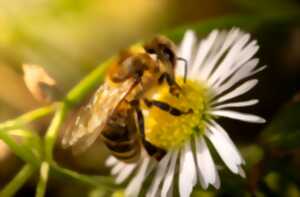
(122, 142)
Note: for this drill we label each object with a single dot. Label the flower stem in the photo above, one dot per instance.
(18, 181)
(105, 182)
(53, 129)
(89, 83)
(27, 117)
(42, 184)
(21, 151)
(73, 97)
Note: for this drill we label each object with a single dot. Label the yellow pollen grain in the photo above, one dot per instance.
(168, 131)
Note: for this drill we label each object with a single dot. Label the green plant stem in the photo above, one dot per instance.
(90, 82)
(53, 129)
(27, 117)
(75, 95)
(24, 153)
(30, 140)
(18, 181)
(105, 182)
(42, 184)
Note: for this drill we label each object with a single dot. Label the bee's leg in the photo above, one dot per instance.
(166, 107)
(151, 149)
(174, 87)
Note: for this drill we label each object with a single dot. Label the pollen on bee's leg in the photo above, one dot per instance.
(175, 90)
(167, 131)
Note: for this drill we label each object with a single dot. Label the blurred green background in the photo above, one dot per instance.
(69, 38)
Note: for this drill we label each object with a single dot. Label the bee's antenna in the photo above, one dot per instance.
(185, 67)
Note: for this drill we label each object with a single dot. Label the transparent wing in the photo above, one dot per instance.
(92, 118)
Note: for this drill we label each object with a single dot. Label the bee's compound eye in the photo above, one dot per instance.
(168, 53)
(150, 50)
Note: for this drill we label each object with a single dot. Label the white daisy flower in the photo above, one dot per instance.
(219, 68)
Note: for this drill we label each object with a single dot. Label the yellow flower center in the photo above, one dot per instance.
(168, 131)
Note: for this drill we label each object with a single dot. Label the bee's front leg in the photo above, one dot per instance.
(166, 107)
(174, 88)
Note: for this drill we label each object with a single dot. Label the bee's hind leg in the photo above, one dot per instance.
(151, 149)
(166, 107)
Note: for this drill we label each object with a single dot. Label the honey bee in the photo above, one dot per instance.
(114, 111)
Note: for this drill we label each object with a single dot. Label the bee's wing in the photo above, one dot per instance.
(92, 118)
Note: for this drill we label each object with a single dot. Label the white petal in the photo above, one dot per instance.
(218, 130)
(134, 187)
(242, 172)
(248, 52)
(125, 173)
(185, 51)
(235, 59)
(152, 165)
(187, 172)
(259, 70)
(238, 116)
(159, 175)
(170, 175)
(227, 54)
(222, 147)
(207, 169)
(217, 183)
(242, 89)
(243, 72)
(111, 161)
(203, 50)
(117, 168)
(237, 104)
(212, 60)
(170, 192)
(238, 74)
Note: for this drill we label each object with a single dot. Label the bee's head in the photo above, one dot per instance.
(164, 48)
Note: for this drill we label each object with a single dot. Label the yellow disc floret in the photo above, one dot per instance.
(168, 131)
